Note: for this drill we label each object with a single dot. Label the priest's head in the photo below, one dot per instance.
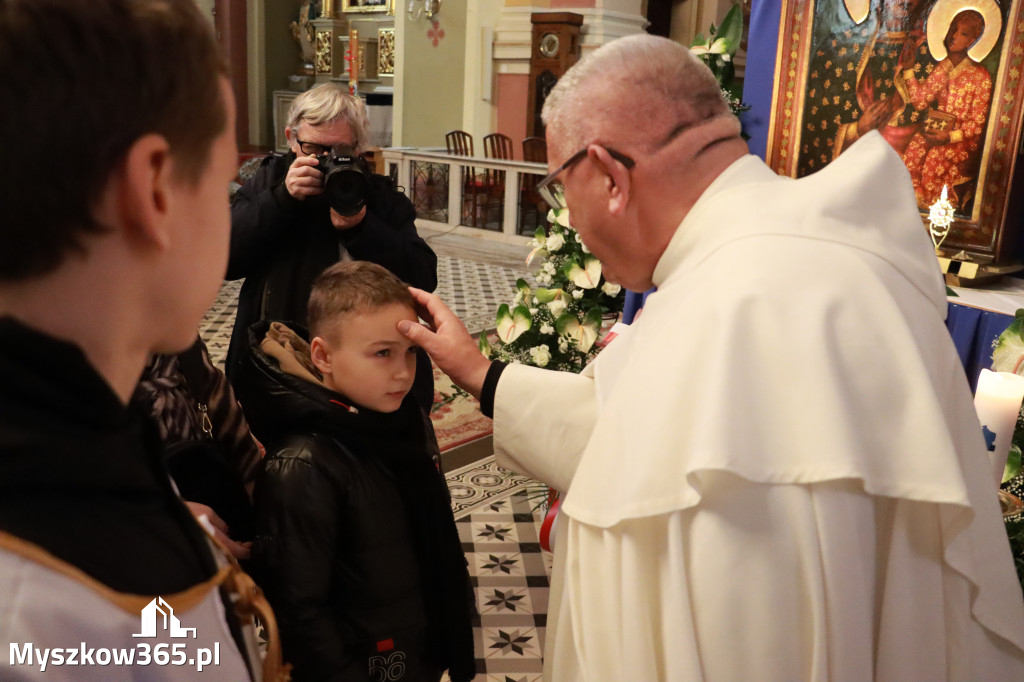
(636, 131)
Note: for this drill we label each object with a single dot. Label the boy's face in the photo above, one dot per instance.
(366, 359)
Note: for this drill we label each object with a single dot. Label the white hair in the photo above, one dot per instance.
(635, 89)
(328, 102)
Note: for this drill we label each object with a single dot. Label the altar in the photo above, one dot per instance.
(976, 318)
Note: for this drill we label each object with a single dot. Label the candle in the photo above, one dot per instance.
(353, 61)
(997, 402)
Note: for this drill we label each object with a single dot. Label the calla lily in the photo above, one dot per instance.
(583, 334)
(523, 287)
(548, 295)
(586, 277)
(541, 237)
(511, 325)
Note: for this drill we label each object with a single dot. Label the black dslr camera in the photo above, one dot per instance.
(346, 180)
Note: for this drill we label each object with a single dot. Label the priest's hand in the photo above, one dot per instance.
(446, 340)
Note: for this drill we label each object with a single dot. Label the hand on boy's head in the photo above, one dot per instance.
(446, 340)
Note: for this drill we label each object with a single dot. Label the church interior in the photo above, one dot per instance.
(454, 90)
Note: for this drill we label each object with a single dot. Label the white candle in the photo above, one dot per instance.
(997, 402)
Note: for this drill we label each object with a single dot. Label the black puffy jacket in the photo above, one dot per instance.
(356, 546)
(280, 245)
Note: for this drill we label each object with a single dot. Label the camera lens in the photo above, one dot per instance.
(346, 182)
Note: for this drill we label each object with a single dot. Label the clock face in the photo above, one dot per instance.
(549, 45)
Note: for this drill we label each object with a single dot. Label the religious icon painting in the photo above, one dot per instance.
(940, 80)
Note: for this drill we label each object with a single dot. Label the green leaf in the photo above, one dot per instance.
(731, 31)
(511, 325)
(1012, 464)
(582, 334)
(1008, 355)
(485, 346)
(523, 287)
(586, 277)
(699, 41)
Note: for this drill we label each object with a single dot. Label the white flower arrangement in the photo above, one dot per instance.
(560, 326)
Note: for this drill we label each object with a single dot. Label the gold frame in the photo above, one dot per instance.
(986, 231)
(386, 7)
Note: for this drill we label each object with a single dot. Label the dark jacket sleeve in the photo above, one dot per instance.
(388, 237)
(294, 557)
(262, 213)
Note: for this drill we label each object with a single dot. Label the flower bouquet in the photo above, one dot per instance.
(556, 324)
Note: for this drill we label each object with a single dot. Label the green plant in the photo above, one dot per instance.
(718, 51)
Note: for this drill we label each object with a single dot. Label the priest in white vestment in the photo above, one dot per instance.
(777, 473)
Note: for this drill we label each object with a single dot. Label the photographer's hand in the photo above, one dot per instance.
(303, 179)
(342, 222)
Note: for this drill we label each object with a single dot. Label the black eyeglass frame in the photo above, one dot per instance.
(330, 149)
(543, 186)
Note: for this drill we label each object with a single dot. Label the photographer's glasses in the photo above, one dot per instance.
(554, 192)
(317, 149)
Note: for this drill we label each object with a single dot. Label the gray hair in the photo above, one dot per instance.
(328, 102)
(634, 90)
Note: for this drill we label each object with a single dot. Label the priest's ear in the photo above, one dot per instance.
(617, 182)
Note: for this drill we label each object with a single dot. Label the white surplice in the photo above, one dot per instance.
(777, 473)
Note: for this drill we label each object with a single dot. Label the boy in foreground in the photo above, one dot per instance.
(356, 546)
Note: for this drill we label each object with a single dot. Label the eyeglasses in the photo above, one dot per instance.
(554, 192)
(317, 149)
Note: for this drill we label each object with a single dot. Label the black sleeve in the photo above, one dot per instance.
(388, 237)
(490, 387)
(294, 557)
(262, 212)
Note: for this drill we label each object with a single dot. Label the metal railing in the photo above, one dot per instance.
(489, 196)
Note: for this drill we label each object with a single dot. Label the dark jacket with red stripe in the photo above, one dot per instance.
(356, 547)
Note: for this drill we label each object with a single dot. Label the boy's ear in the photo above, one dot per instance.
(320, 352)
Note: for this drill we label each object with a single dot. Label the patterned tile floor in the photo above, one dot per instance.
(499, 525)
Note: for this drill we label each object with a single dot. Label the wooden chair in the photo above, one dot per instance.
(496, 146)
(532, 206)
(460, 143)
(535, 150)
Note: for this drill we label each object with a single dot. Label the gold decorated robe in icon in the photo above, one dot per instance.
(963, 92)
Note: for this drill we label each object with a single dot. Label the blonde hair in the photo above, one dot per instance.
(635, 89)
(328, 102)
(349, 286)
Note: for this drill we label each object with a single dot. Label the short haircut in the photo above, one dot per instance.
(328, 102)
(80, 82)
(353, 286)
(632, 90)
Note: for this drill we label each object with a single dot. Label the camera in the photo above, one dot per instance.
(346, 180)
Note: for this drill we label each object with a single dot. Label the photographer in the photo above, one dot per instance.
(286, 230)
